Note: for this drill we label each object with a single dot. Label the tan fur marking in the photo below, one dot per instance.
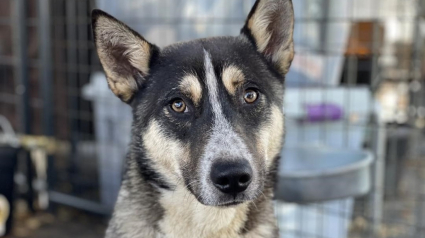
(123, 88)
(110, 34)
(232, 78)
(166, 153)
(271, 136)
(258, 27)
(284, 57)
(263, 230)
(192, 88)
(186, 217)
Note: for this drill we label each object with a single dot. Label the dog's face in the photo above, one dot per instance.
(207, 113)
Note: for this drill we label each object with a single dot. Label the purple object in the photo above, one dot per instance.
(323, 112)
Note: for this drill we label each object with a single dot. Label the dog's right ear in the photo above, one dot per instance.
(270, 25)
(123, 53)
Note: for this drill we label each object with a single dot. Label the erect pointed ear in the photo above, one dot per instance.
(123, 53)
(270, 25)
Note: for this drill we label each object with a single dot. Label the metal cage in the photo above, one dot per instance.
(371, 50)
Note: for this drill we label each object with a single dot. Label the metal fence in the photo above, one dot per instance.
(371, 50)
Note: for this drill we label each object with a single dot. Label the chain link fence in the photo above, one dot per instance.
(365, 57)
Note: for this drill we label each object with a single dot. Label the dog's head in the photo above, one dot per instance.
(207, 113)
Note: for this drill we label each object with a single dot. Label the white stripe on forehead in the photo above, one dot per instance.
(223, 136)
(224, 142)
(212, 87)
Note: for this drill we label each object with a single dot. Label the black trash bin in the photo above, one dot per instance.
(8, 161)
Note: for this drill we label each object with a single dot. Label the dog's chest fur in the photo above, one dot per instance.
(184, 216)
(143, 211)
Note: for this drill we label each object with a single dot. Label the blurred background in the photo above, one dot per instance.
(356, 87)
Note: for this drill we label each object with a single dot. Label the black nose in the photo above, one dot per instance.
(231, 177)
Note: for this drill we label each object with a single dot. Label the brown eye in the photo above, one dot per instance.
(178, 105)
(250, 96)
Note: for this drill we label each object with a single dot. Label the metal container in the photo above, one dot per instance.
(315, 174)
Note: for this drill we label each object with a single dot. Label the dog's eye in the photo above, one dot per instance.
(250, 96)
(179, 105)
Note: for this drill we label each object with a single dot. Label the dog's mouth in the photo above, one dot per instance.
(227, 201)
(230, 204)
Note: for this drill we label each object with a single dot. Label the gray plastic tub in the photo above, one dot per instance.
(314, 174)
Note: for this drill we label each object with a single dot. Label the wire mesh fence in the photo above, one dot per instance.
(366, 57)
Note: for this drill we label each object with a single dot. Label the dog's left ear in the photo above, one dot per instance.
(270, 25)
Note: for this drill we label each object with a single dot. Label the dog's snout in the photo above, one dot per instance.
(231, 177)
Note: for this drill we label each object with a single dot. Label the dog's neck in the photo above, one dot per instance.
(144, 210)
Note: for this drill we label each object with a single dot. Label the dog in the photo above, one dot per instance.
(208, 126)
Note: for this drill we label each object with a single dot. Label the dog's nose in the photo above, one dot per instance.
(231, 177)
